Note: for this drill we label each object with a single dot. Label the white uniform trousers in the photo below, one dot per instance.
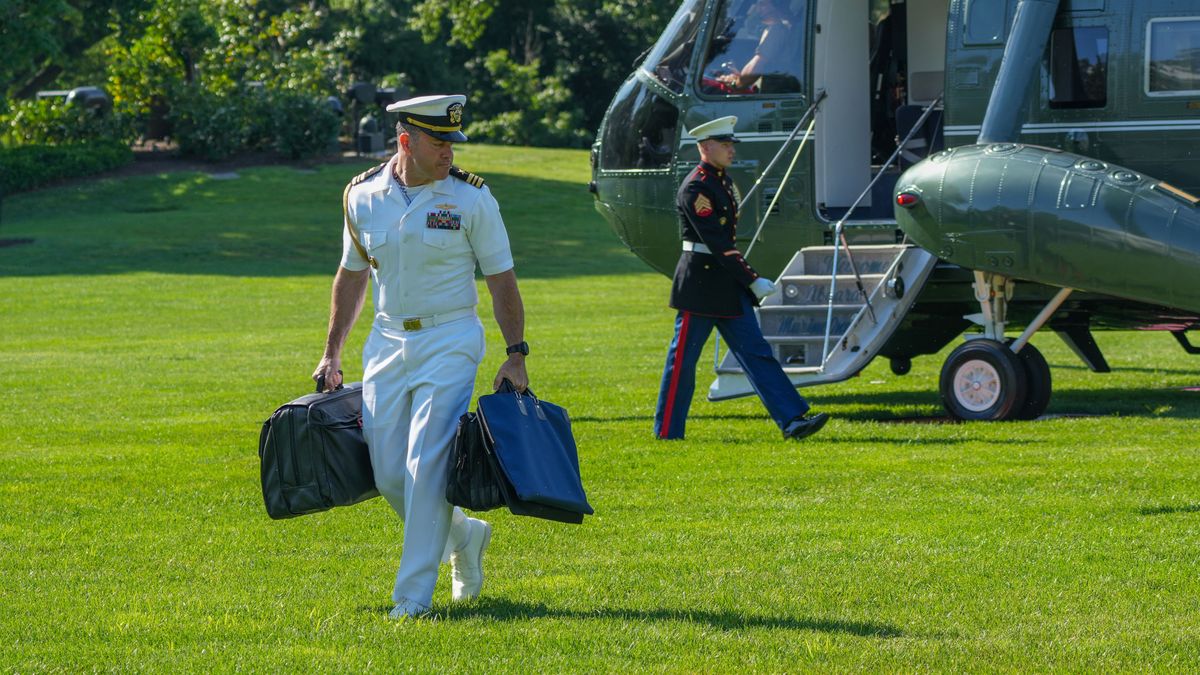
(416, 384)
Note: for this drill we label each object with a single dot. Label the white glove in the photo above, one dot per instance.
(762, 287)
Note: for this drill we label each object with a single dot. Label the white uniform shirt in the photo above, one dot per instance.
(427, 251)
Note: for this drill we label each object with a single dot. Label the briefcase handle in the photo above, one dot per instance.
(321, 383)
(507, 387)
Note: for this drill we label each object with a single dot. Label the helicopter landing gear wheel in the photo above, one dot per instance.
(1037, 376)
(983, 380)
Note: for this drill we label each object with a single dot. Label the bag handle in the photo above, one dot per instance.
(321, 382)
(507, 387)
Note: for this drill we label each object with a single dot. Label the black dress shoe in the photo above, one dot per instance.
(805, 426)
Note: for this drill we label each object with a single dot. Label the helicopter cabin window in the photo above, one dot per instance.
(1173, 62)
(1079, 67)
(986, 22)
(640, 131)
(756, 47)
(672, 54)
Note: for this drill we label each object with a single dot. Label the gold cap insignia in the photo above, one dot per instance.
(454, 112)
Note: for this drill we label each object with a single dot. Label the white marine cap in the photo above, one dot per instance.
(720, 129)
(439, 115)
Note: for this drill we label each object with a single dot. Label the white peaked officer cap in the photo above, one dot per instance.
(438, 115)
(720, 129)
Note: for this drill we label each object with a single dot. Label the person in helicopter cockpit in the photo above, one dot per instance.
(772, 53)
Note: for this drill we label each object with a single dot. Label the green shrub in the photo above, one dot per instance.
(216, 126)
(50, 121)
(257, 119)
(302, 126)
(209, 125)
(30, 166)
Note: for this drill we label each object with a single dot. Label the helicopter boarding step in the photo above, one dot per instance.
(793, 320)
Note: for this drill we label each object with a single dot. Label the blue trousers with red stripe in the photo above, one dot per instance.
(745, 339)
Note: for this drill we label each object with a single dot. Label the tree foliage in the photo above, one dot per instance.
(538, 72)
(43, 40)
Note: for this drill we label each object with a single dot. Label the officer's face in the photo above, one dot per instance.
(433, 156)
(718, 153)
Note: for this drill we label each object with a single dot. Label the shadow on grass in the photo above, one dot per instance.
(271, 222)
(882, 406)
(1135, 369)
(1139, 402)
(1168, 510)
(511, 610)
(649, 419)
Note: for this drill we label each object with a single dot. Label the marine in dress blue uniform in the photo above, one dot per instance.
(714, 287)
(418, 227)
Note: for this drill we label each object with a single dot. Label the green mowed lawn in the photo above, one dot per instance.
(156, 321)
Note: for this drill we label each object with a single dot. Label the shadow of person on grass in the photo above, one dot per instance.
(499, 609)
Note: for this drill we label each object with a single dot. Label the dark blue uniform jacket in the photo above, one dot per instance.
(710, 284)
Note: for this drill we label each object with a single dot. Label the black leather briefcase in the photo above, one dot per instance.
(313, 454)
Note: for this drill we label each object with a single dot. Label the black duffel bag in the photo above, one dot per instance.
(314, 456)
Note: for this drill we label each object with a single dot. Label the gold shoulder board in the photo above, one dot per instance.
(467, 177)
(366, 174)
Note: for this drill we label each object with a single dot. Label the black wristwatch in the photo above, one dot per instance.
(519, 348)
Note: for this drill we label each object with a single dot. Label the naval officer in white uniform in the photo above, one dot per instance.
(416, 227)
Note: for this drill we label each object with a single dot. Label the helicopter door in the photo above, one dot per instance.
(840, 68)
(925, 78)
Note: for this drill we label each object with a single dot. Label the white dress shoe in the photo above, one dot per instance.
(467, 577)
(407, 609)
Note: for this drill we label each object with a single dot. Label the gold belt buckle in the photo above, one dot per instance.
(412, 324)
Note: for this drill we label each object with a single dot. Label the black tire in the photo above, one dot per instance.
(900, 365)
(983, 380)
(1038, 387)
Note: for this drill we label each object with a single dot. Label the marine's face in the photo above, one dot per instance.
(432, 156)
(718, 153)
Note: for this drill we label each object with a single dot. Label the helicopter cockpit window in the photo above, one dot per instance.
(1079, 67)
(672, 54)
(640, 130)
(756, 47)
(1173, 65)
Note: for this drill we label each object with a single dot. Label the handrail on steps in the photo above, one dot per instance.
(779, 153)
(839, 240)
